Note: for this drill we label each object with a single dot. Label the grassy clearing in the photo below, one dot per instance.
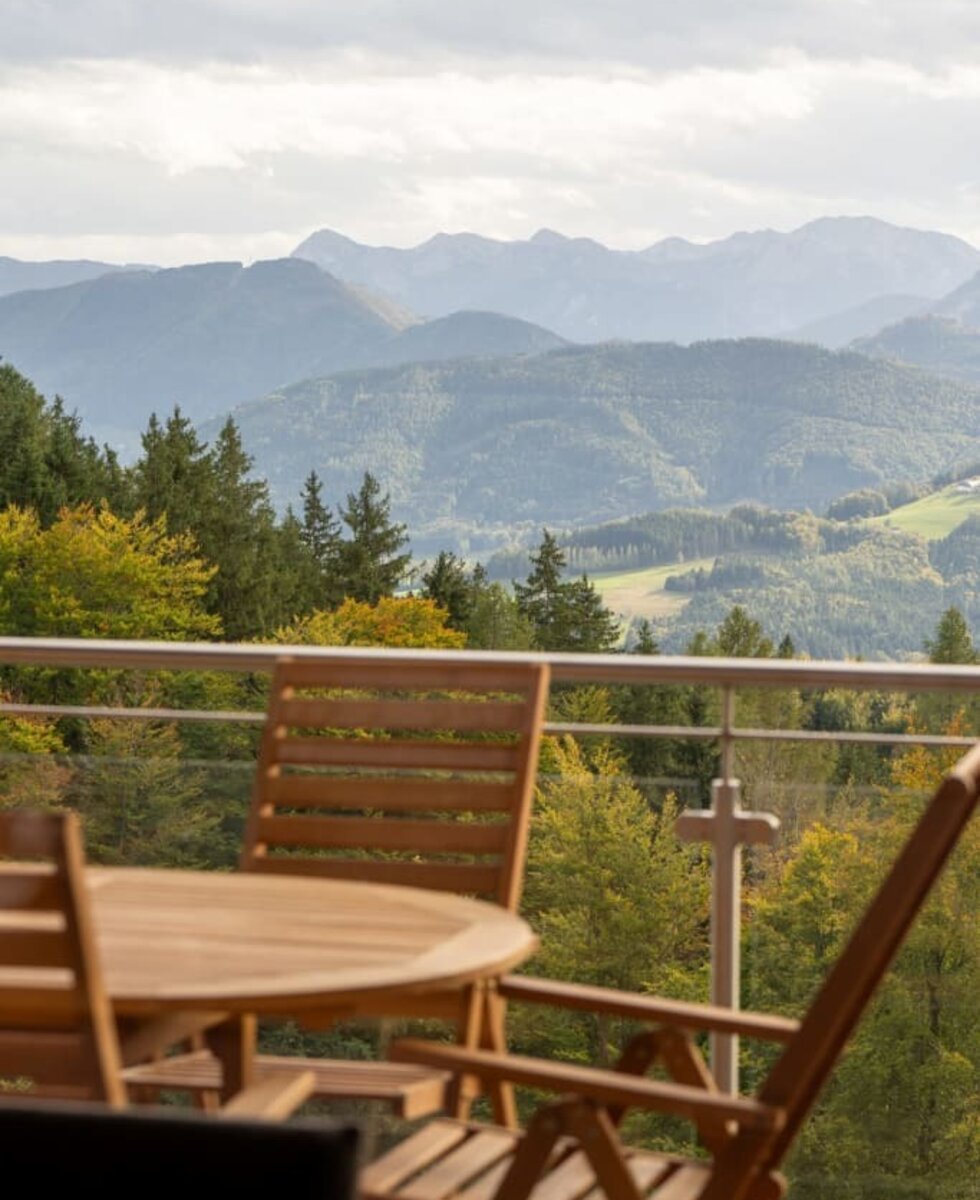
(933, 516)
(641, 593)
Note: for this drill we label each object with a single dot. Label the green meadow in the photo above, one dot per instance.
(641, 593)
(933, 516)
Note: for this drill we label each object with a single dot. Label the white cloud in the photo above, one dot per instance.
(166, 160)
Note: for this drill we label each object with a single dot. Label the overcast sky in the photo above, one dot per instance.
(194, 129)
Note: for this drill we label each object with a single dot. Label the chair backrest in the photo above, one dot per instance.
(799, 1074)
(74, 1149)
(399, 771)
(57, 1035)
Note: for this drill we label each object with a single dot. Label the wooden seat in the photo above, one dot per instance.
(57, 1032)
(403, 772)
(410, 1091)
(572, 1145)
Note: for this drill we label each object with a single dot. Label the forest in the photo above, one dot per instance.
(185, 544)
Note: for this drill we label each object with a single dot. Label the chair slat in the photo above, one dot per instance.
(485, 1188)
(32, 835)
(392, 674)
(648, 1169)
(35, 890)
(404, 795)
(35, 948)
(464, 878)
(39, 1005)
(410, 1156)
(48, 1057)
(571, 1179)
(461, 1166)
(399, 834)
(481, 716)
(424, 756)
(686, 1182)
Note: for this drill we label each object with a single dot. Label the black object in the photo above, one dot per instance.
(88, 1149)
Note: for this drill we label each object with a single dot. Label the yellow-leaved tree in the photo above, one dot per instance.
(408, 622)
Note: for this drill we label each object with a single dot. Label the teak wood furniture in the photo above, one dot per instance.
(400, 772)
(57, 1029)
(572, 1145)
(176, 944)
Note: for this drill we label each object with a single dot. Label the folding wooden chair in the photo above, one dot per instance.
(57, 1032)
(572, 1145)
(405, 772)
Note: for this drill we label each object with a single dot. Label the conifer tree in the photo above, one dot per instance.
(45, 462)
(952, 642)
(319, 533)
(448, 584)
(372, 564)
(564, 615)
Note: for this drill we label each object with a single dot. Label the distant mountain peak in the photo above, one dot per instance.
(549, 237)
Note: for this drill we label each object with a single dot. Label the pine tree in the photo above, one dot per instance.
(448, 584)
(371, 562)
(320, 528)
(566, 616)
(952, 643)
(540, 598)
(238, 533)
(45, 462)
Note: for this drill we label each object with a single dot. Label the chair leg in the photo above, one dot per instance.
(494, 1037)
(462, 1090)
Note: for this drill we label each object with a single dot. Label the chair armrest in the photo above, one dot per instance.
(274, 1098)
(680, 1013)
(606, 1087)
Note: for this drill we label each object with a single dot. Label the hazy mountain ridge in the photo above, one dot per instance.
(759, 283)
(474, 449)
(20, 275)
(944, 338)
(214, 335)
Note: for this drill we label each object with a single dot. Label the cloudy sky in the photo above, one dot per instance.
(192, 129)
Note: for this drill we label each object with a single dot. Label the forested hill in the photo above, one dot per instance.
(585, 434)
(208, 337)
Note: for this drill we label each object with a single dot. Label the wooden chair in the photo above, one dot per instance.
(57, 1032)
(572, 1145)
(403, 772)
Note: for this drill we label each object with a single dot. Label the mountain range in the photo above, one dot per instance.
(750, 284)
(943, 338)
(476, 450)
(17, 275)
(126, 344)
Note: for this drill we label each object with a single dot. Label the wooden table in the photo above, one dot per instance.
(283, 944)
(206, 942)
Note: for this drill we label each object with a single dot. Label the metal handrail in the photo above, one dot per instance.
(634, 669)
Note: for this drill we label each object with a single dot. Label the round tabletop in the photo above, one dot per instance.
(280, 944)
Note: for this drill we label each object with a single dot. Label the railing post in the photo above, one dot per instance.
(726, 827)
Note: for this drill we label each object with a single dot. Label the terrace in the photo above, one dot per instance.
(810, 822)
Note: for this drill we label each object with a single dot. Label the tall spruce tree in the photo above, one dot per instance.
(565, 615)
(45, 461)
(319, 533)
(448, 583)
(952, 642)
(372, 562)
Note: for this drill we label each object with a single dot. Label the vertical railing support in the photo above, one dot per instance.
(727, 828)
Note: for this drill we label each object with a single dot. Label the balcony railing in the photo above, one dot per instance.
(722, 682)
